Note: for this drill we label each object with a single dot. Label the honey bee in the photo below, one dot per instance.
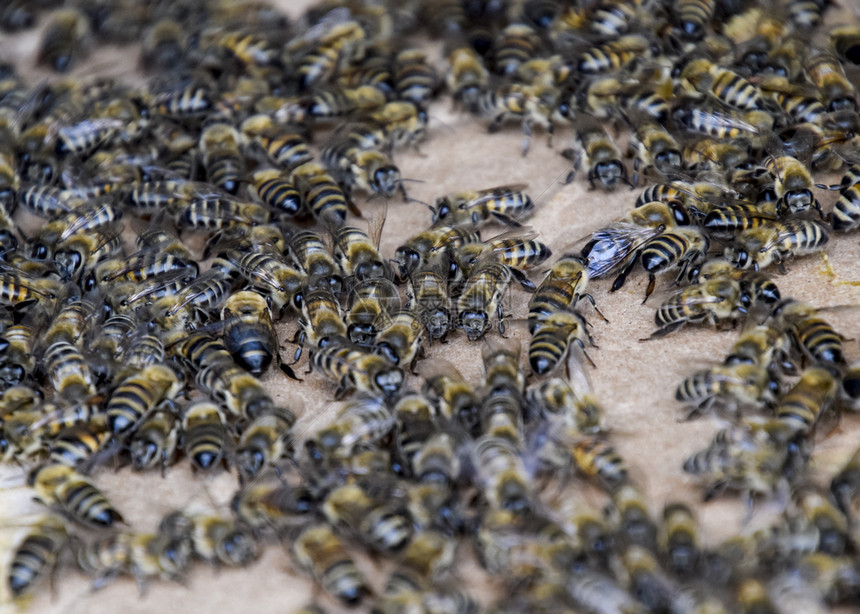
(362, 420)
(428, 298)
(481, 298)
(331, 44)
(357, 369)
(370, 306)
(752, 458)
(214, 213)
(322, 322)
(268, 270)
(636, 527)
(654, 149)
(368, 170)
(693, 18)
(414, 79)
(400, 342)
(403, 122)
(813, 395)
(264, 442)
(531, 104)
(827, 75)
(320, 193)
(382, 526)
(724, 85)
(816, 338)
(505, 482)
(163, 46)
(76, 445)
(793, 185)
(679, 540)
(36, 554)
(714, 301)
(358, 254)
(647, 580)
(137, 395)
(730, 387)
(154, 441)
(467, 77)
(222, 158)
(68, 370)
(65, 41)
(205, 435)
(476, 208)
(421, 248)
(682, 247)
(234, 388)
(285, 147)
(454, 398)
(221, 541)
(249, 334)
(614, 55)
(552, 338)
(570, 403)
(63, 488)
(816, 511)
(602, 156)
(757, 248)
(319, 550)
(846, 210)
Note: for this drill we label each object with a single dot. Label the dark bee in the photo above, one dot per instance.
(287, 148)
(65, 41)
(693, 18)
(249, 334)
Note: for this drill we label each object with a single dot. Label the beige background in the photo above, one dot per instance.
(635, 381)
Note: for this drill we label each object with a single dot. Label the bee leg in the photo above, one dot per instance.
(714, 490)
(636, 171)
(524, 281)
(501, 317)
(288, 371)
(342, 390)
(550, 129)
(590, 299)
(652, 280)
(527, 131)
(622, 277)
(817, 206)
(496, 124)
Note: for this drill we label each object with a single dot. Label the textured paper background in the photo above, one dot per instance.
(635, 381)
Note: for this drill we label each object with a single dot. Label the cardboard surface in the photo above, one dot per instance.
(635, 381)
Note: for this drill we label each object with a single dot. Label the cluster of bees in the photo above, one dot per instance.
(112, 355)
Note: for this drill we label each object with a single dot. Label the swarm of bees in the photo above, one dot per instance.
(155, 240)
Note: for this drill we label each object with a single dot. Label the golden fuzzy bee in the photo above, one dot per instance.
(66, 40)
(264, 442)
(249, 334)
(654, 148)
(614, 55)
(792, 185)
(773, 243)
(320, 193)
(204, 435)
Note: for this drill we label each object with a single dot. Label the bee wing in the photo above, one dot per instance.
(158, 283)
(487, 194)
(613, 244)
